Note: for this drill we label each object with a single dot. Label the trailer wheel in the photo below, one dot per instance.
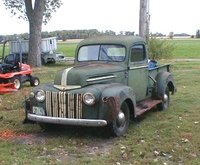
(120, 125)
(17, 82)
(53, 61)
(34, 81)
(43, 61)
(165, 101)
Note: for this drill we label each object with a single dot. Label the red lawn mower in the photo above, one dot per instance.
(14, 72)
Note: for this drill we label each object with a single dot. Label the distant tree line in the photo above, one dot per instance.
(82, 34)
(171, 35)
(67, 34)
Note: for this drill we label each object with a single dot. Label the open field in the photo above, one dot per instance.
(185, 48)
(158, 138)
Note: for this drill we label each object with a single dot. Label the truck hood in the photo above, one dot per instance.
(82, 75)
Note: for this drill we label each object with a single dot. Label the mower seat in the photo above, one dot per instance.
(11, 63)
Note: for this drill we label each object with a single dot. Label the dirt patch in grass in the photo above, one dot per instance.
(8, 134)
(99, 147)
(62, 153)
(74, 146)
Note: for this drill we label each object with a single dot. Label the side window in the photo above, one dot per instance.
(138, 53)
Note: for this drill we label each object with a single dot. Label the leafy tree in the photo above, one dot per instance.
(36, 12)
(160, 48)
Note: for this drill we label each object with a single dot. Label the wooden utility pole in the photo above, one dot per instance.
(144, 19)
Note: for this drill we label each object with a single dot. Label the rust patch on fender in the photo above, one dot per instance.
(114, 105)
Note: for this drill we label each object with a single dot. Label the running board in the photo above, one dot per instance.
(146, 105)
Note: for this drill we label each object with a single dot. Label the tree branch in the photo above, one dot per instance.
(29, 9)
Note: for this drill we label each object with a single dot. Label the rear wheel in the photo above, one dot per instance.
(165, 100)
(120, 125)
(17, 82)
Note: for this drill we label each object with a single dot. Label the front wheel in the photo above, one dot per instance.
(165, 100)
(120, 125)
(34, 81)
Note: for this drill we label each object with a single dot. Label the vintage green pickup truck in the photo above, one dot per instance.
(112, 81)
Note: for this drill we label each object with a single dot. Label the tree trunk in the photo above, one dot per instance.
(144, 19)
(34, 56)
(35, 16)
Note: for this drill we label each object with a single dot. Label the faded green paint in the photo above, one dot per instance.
(138, 80)
(112, 83)
(81, 74)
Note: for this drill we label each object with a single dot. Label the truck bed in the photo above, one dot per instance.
(161, 68)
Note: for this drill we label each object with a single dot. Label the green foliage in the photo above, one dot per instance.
(160, 48)
(19, 8)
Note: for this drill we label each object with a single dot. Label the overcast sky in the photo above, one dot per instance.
(178, 16)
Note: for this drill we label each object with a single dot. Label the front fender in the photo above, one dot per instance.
(119, 91)
(164, 79)
(114, 95)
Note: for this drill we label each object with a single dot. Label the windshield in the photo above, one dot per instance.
(115, 53)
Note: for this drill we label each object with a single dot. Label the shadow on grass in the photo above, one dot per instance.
(55, 130)
(146, 115)
(50, 130)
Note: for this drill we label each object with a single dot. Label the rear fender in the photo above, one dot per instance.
(164, 79)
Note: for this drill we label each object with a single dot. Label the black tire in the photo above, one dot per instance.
(165, 101)
(53, 61)
(34, 81)
(17, 82)
(120, 125)
(43, 61)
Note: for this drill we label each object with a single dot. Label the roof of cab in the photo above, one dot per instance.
(119, 39)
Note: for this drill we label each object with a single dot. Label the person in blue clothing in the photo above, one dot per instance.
(152, 63)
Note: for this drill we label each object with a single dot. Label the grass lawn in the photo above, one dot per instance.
(188, 48)
(167, 137)
(68, 49)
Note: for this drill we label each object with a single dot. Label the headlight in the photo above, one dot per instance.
(40, 95)
(89, 99)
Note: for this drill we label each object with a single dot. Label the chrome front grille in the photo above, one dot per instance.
(63, 104)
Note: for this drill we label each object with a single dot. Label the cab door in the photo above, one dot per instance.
(138, 71)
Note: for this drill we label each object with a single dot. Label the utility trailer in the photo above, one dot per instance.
(48, 49)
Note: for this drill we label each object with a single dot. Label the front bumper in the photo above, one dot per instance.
(67, 121)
